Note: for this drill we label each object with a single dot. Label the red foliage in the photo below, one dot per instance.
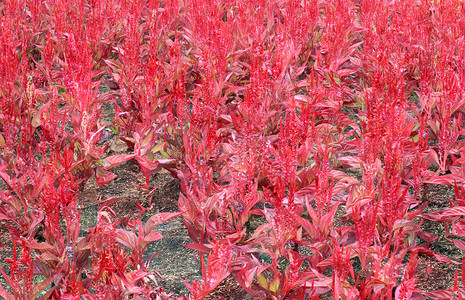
(311, 114)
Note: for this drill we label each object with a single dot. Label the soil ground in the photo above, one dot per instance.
(440, 275)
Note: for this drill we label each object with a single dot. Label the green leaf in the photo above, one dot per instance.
(262, 281)
(274, 285)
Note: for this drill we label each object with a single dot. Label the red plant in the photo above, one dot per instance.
(324, 120)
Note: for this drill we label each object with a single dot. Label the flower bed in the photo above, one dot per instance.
(306, 136)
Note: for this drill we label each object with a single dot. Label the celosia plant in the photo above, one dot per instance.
(325, 120)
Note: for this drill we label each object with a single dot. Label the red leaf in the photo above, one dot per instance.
(459, 244)
(449, 179)
(416, 296)
(5, 295)
(40, 287)
(438, 256)
(199, 247)
(245, 276)
(126, 238)
(457, 211)
(116, 160)
(103, 176)
(107, 201)
(443, 294)
(308, 226)
(433, 216)
(7, 213)
(352, 161)
(428, 237)
(45, 247)
(152, 237)
(148, 164)
(158, 219)
(13, 284)
(5, 177)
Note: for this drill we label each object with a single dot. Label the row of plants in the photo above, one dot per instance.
(326, 120)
